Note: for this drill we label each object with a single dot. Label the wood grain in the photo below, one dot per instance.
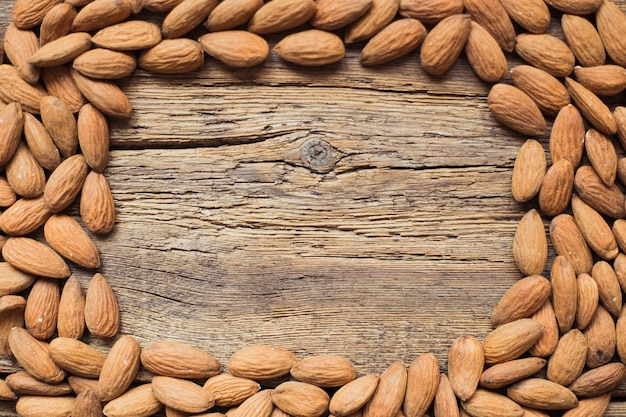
(344, 210)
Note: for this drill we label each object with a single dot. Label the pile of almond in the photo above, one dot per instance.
(557, 344)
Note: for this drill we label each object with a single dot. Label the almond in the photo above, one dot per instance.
(594, 110)
(542, 394)
(61, 51)
(506, 373)
(13, 280)
(394, 41)
(99, 14)
(601, 339)
(24, 217)
(548, 340)
(133, 35)
(186, 16)
(485, 55)
(556, 188)
(532, 15)
(620, 120)
(69, 239)
(42, 308)
(354, 395)
(511, 340)
(33, 357)
(422, 384)
(178, 360)
(281, 15)
(261, 362)
(23, 383)
(486, 403)
(105, 95)
(568, 361)
(599, 381)
(119, 368)
(491, 15)
(80, 385)
(569, 242)
(379, 15)
(19, 46)
(60, 84)
(602, 155)
(607, 200)
(515, 109)
(228, 390)
(611, 23)
(102, 315)
(34, 258)
(584, 40)
(546, 91)
(11, 315)
(14, 89)
(430, 11)
(522, 300)
(300, 399)
(590, 407)
(93, 136)
(530, 244)
(578, 7)
(259, 405)
(466, 360)
(76, 357)
(160, 6)
(11, 126)
(57, 23)
(87, 404)
(324, 371)
(65, 183)
(60, 123)
(564, 292)
(24, 173)
(27, 14)
(71, 322)
(236, 48)
(105, 64)
(36, 406)
(138, 402)
(230, 14)
(40, 143)
(172, 56)
(7, 195)
(444, 43)
(602, 80)
(608, 287)
(389, 393)
(620, 333)
(311, 48)
(528, 171)
(619, 231)
(594, 228)
(181, 394)
(587, 301)
(332, 14)
(445, 402)
(97, 208)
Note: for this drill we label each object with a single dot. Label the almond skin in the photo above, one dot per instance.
(491, 15)
(119, 368)
(65, 183)
(542, 394)
(228, 390)
(172, 56)
(522, 300)
(102, 314)
(230, 14)
(528, 171)
(389, 394)
(69, 239)
(515, 109)
(394, 41)
(76, 357)
(324, 371)
(546, 91)
(611, 23)
(132, 35)
(105, 64)
(34, 357)
(530, 244)
(506, 373)
(556, 188)
(261, 362)
(97, 208)
(186, 16)
(466, 360)
(236, 48)
(594, 110)
(300, 399)
(484, 55)
(594, 228)
(178, 360)
(379, 15)
(430, 11)
(354, 395)
(444, 43)
(568, 360)
(567, 137)
(42, 308)
(281, 15)
(34, 258)
(584, 40)
(511, 340)
(311, 48)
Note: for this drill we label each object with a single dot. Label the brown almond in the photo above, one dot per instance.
(181, 394)
(546, 52)
(71, 321)
(87, 404)
(33, 356)
(76, 357)
(611, 23)
(311, 48)
(389, 393)
(333, 14)
(13, 280)
(60, 84)
(61, 51)
(230, 14)
(578, 7)
(515, 109)
(619, 231)
(602, 155)
(324, 371)
(7, 195)
(528, 171)
(93, 137)
(69, 239)
(564, 292)
(491, 15)
(80, 384)
(445, 403)
(379, 15)
(466, 360)
(594, 228)
(24, 217)
(97, 208)
(11, 126)
(105, 95)
(100, 14)
(57, 23)
(34, 258)
(119, 368)
(567, 137)
(487, 403)
(422, 384)
(599, 381)
(27, 14)
(24, 173)
(620, 333)
(620, 119)
(40, 143)
(178, 360)
(42, 308)
(522, 300)
(590, 407)
(547, 92)
(532, 15)
(602, 80)
(584, 40)
(556, 188)
(11, 315)
(281, 15)
(236, 48)
(542, 394)
(430, 11)
(569, 242)
(35, 405)
(601, 339)
(568, 361)
(587, 302)
(530, 244)
(511, 340)
(261, 362)
(23, 383)
(506, 373)
(160, 6)
(138, 402)
(300, 399)
(102, 315)
(354, 395)
(172, 56)
(444, 43)
(594, 110)
(548, 340)
(60, 123)
(607, 200)
(19, 46)
(609, 288)
(228, 390)
(259, 405)
(105, 64)
(186, 16)
(133, 35)
(394, 41)
(485, 55)
(14, 89)
(65, 183)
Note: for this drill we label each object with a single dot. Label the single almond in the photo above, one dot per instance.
(607, 200)
(444, 43)
(105, 64)
(594, 110)
(389, 393)
(354, 395)
(445, 403)
(186, 16)
(138, 401)
(430, 11)
(261, 362)
(71, 321)
(57, 23)
(530, 244)
(13, 280)
(259, 405)
(620, 342)
(60, 123)
(486, 403)
(491, 15)
(602, 80)
(61, 51)
(23, 383)
(11, 315)
(394, 41)
(515, 109)
(522, 300)
(34, 258)
(587, 301)
(379, 15)
(556, 188)
(24, 217)
(76, 357)
(159, 6)
(119, 368)
(528, 171)
(594, 228)
(546, 52)
(97, 208)
(619, 231)
(599, 381)
(578, 7)
(602, 155)
(87, 404)
(511, 340)
(178, 360)
(172, 56)
(7, 195)
(19, 46)
(547, 92)
(80, 384)
(564, 292)
(590, 407)
(228, 390)
(69, 239)
(65, 183)
(36, 405)
(601, 339)
(60, 84)
(300, 399)
(181, 394)
(42, 308)
(99, 14)
(104, 94)
(33, 357)
(11, 126)
(485, 55)
(93, 136)
(422, 384)
(569, 242)
(230, 14)
(236, 48)
(609, 288)
(102, 315)
(532, 15)
(568, 361)
(542, 394)
(466, 360)
(611, 23)
(546, 344)
(132, 35)
(13, 89)
(567, 137)
(584, 40)
(333, 14)
(311, 48)
(27, 14)
(324, 371)
(506, 373)
(24, 173)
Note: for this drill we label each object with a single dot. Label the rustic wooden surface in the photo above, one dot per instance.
(343, 210)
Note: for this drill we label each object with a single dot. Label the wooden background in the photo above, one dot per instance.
(339, 210)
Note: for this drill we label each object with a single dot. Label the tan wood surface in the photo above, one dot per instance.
(343, 210)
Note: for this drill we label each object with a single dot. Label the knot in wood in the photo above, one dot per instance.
(318, 156)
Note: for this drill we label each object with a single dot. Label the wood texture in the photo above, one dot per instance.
(344, 210)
